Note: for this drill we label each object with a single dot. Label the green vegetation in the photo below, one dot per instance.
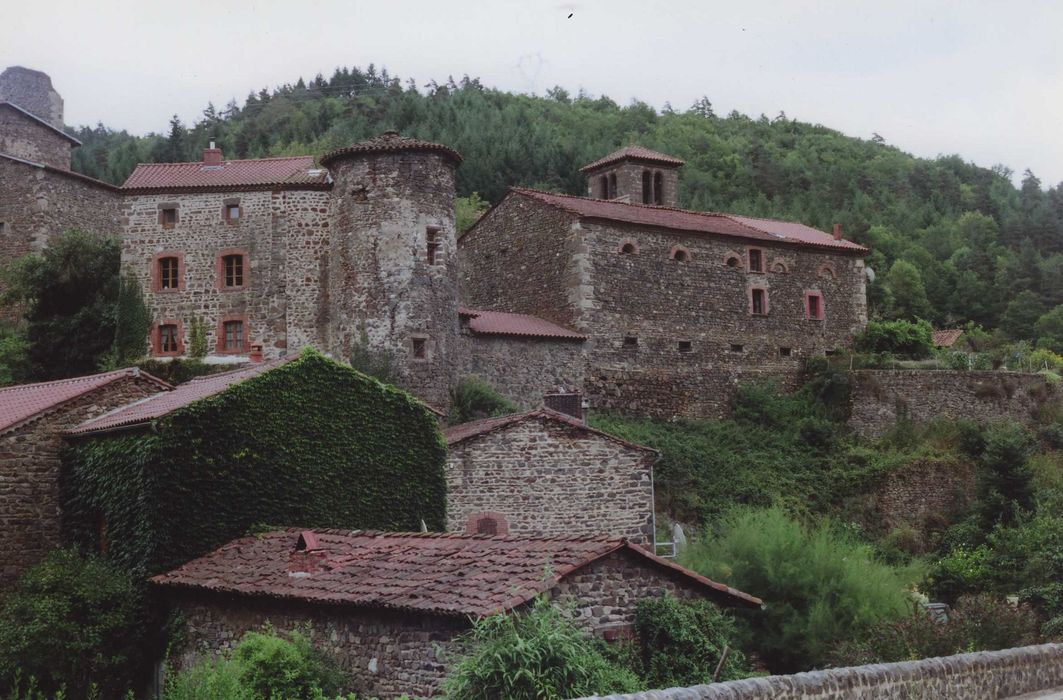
(473, 399)
(73, 624)
(311, 442)
(905, 338)
(132, 323)
(530, 656)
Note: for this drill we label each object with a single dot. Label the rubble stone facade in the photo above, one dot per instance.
(32, 90)
(523, 369)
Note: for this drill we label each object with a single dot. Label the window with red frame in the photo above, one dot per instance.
(756, 260)
(169, 268)
(759, 300)
(233, 335)
(233, 266)
(168, 337)
(815, 306)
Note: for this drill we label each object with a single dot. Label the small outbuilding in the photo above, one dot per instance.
(543, 473)
(388, 606)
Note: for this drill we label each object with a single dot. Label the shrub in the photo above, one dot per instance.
(907, 338)
(1004, 483)
(681, 643)
(132, 323)
(197, 338)
(72, 621)
(820, 585)
(473, 399)
(961, 570)
(180, 370)
(532, 655)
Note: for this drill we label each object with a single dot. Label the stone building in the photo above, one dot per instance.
(388, 606)
(32, 418)
(542, 473)
(677, 306)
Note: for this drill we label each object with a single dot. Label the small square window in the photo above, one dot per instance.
(420, 348)
(234, 335)
(685, 346)
(232, 212)
(3, 227)
(756, 260)
(830, 353)
(234, 270)
(631, 341)
(735, 347)
(168, 217)
(168, 337)
(759, 302)
(785, 352)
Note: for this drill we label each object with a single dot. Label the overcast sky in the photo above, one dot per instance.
(982, 78)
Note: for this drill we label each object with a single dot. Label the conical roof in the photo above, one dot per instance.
(633, 153)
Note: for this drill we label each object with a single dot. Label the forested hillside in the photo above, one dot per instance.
(952, 242)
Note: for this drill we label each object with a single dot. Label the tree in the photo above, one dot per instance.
(1021, 314)
(1049, 330)
(1005, 490)
(909, 294)
(468, 210)
(132, 324)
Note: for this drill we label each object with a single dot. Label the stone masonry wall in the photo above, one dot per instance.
(551, 479)
(523, 369)
(629, 181)
(32, 91)
(986, 675)
(882, 397)
(37, 203)
(382, 654)
(283, 235)
(26, 138)
(29, 474)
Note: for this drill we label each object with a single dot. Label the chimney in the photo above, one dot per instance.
(212, 155)
(837, 232)
(256, 352)
(568, 402)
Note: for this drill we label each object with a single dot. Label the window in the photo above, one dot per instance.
(779, 267)
(658, 188)
(631, 341)
(168, 338)
(733, 261)
(233, 266)
(826, 271)
(814, 306)
(3, 227)
(758, 301)
(735, 347)
(487, 526)
(612, 186)
(756, 260)
(628, 248)
(168, 216)
(680, 254)
(647, 187)
(685, 346)
(432, 245)
(603, 185)
(492, 524)
(420, 348)
(785, 352)
(169, 273)
(232, 212)
(233, 336)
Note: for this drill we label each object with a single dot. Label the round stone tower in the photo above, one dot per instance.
(393, 278)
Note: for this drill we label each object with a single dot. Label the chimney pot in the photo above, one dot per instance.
(837, 232)
(212, 155)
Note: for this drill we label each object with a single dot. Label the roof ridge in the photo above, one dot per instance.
(67, 380)
(227, 160)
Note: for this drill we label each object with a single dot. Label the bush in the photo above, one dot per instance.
(680, 643)
(180, 370)
(961, 570)
(907, 338)
(533, 655)
(819, 584)
(474, 399)
(72, 621)
(1005, 481)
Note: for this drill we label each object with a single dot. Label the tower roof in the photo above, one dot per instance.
(633, 153)
(392, 142)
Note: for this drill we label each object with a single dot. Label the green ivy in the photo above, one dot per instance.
(310, 443)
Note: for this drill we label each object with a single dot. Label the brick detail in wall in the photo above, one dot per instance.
(982, 675)
(550, 479)
(882, 397)
(29, 474)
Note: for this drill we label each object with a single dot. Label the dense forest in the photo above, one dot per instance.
(952, 242)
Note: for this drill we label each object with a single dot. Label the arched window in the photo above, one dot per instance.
(680, 254)
(491, 524)
(612, 186)
(826, 271)
(647, 187)
(628, 246)
(779, 267)
(733, 260)
(658, 188)
(603, 183)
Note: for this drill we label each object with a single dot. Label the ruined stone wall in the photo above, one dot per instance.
(382, 654)
(382, 289)
(550, 479)
(882, 397)
(283, 235)
(519, 258)
(29, 474)
(523, 369)
(23, 137)
(32, 91)
(984, 675)
(38, 203)
(925, 495)
(629, 182)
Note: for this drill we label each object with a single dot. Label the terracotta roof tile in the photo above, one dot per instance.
(750, 228)
(634, 153)
(503, 323)
(946, 338)
(448, 574)
(231, 174)
(392, 142)
(25, 401)
(183, 395)
(460, 433)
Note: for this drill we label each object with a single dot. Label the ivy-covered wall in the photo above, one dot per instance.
(310, 443)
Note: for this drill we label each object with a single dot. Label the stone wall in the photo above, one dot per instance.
(523, 369)
(32, 91)
(549, 478)
(29, 474)
(37, 203)
(284, 237)
(24, 137)
(882, 397)
(629, 181)
(925, 495)
(987, 675)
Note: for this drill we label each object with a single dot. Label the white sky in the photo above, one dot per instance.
(982, 78)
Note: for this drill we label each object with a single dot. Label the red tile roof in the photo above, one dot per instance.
(946, 338)
(446, 574)
(157, 406)
(502, 323)
(747, 227)
(298, 171)
(392, 142)
(634, 153)
(460, 433)
(42, 122)
(21, 403)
